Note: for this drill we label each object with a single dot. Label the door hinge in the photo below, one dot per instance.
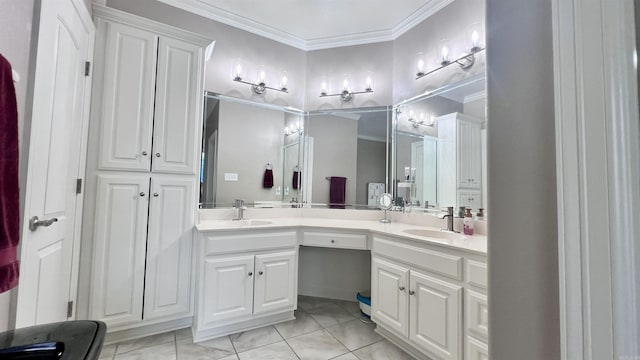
(69, 309)
(78, 186)
(87, 68)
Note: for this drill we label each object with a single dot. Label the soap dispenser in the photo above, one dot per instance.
(468, 222)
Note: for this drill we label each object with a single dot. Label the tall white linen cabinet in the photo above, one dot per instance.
(142, 174)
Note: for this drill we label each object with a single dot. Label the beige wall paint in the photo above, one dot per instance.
(523, 240)
(16, 18)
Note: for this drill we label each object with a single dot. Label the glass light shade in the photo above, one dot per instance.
(346, 84)
(443, 52)
(284, 81)
(475, 37)
(262, 74)
(369, 81)
(237, 70)
(432, 119)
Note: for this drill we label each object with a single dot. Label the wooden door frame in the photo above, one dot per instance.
(597, 118)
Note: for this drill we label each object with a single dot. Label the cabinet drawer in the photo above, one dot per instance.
(477, 315)
(437, 262)
(477, 273)
(334, 240)
(215, 243)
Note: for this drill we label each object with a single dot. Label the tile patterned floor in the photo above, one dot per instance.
(323, 329)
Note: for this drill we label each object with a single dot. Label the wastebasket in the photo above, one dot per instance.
(70, 340)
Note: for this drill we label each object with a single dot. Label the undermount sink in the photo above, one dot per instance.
(445, 235)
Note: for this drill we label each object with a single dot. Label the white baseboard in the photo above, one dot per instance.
(147, 330)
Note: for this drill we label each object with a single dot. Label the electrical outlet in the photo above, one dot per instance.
(230, 176)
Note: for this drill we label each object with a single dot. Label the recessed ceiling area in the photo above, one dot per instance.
(317, 24)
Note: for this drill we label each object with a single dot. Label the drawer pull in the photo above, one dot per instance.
(333, 241)
(250, 273)
(401, 288)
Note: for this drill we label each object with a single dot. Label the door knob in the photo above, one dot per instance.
(142, 193)
(157, 154)
(411, 292)
(260, 272)
(401, 288)
(144, 153)
(156, 194)
(250, 273)
(34, 223)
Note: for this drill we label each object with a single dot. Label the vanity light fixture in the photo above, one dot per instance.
(295, 129)
(347, 93)
(465, 61)
(420, 120)
(260, 86)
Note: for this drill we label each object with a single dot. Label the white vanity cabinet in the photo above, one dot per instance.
(142, 165)
(151, 100)
(417, 298)
(459, 160)
(142, 249)
(246, 278)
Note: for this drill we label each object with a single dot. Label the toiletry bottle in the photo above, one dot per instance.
(480, 214)
(468, 223)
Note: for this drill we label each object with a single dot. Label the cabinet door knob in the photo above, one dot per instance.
(144, 153)
(332, 241)
(401, 288)
(157, 154)
(260, 272)
(156, 194)
(250, 273)
(142, 193)
(411, 292)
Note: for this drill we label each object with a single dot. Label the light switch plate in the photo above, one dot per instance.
(230, 177)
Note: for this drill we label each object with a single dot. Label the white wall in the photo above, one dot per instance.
(523, 240)
(370, 168)
(15, 45)
(232, 43)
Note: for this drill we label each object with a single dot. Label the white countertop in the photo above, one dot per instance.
(475, 243)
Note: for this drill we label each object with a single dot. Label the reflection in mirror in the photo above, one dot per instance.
(346, 157)
(439, 157)
(250, 151)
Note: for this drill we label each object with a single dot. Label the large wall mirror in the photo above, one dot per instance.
(439, 153)
(346, 157)
(250, 151)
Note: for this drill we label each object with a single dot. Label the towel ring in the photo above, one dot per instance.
(269, 166)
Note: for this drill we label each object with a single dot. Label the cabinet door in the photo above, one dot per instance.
(178, 120)
(476, 350)
(228, 288)
(463, 158)
(389, 300)
(475, 156)
(275, 282)
(128, 98)
(470, 198)
(171, 221)
(435, 322)
(119, 249)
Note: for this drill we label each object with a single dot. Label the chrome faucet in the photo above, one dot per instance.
(449, 217)
(240, 208)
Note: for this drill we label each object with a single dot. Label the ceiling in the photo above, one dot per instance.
(317, 24)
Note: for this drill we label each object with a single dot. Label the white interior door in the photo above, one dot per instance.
(60, 109)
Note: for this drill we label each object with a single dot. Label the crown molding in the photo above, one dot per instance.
(231, 19)
(477, 96)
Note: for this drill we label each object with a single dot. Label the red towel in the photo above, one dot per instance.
(267, 180)
(9, 182)
(296, 180)
(337, 192)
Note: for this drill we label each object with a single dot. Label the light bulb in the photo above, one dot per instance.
(420, 66)
(262, 76)
(432, 119)
(474, 39)
(410, 114)
(445, 53)
(323, 88)
(283, 82)
(421, 117)
(345, 84)
(369, 82)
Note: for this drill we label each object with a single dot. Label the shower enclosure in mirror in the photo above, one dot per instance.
(439, 152)
(346, 156)
(250, 151)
